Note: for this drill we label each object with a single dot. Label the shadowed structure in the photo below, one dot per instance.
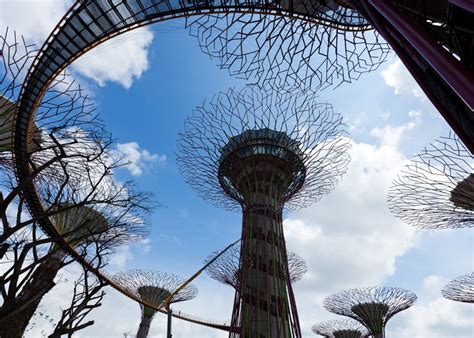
(283, 51)
(154, 288)
(460, 289)
(340, 328)
(226, 268)
(259, 152)
(436, 190)
(371, 306)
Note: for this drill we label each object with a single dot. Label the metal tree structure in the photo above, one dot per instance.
(460, 289)
(371, 306)
(154, 288)
(340, 328)
(287, 51)
(260, 152)
(436, 190)
(226, 268)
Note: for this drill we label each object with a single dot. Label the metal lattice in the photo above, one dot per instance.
(286, 51)
(371, 306)
(225, 268)
(460, 289)
(340, 328)
(315, 127)
(436, 190)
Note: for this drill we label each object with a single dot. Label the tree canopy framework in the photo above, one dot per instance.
(226, 268)
(460, 289)
(315, 128)
(371, 306)
(340, 328)
(436, 190)
(154, 288)
(286, 51)
(260, 152)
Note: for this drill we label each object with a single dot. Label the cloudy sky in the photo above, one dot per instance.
(146, 82)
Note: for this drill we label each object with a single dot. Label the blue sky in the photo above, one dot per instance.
(147, 83)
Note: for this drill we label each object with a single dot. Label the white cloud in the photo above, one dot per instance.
(398, 77)
(138, 159)
(392, 135)
(32, 19)
(121, 60)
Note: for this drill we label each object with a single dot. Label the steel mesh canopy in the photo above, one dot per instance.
(154, 287)
(436, 190)
(78, 223)
(371, 306)
(225, 268)
(314, 127)
(460, 289)
(286, 51)
(340, 328)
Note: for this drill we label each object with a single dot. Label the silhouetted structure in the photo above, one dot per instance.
(69, 162)
(371, 306)
(154, 288)
(340, 328)
(226, 268)
(436, 190)
(278, 50)
(260, 152)
(460, 289)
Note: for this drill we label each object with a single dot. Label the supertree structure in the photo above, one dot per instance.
(260, 152)
(226, 268)
(460, 289)
(436, 190)
(157, 289)
(286, 51)
(371, 306)
(340, 328)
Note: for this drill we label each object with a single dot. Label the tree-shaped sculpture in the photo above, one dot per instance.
(226, 268)
(340, 328)
(371, 306)
(154, 288)
(286, 51)
(260, 152)
(460, 289)
(436, 190)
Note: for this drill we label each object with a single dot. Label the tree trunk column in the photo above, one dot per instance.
(264, 304)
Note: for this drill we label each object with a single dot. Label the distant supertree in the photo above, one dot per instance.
(340, 328)
(259, 152)
(460, 289)
(436, 190)
(371, 306)
(279, 50)
(154, 288)
(226, 268)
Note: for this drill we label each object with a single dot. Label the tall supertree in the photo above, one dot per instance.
(371, 306)
(340, 328)
(460, 289)
(339, 46)
(157, 289)
(260, 152)
(226, 268)
(436, 190)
